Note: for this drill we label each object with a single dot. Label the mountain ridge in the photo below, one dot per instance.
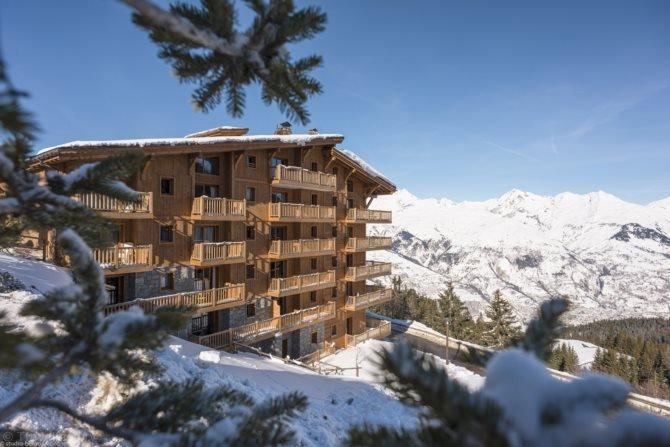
(611, 257)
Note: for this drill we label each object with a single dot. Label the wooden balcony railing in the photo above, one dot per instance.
(360, 215)
(267, 328)
(296, 177)
(296, 212)
(368, 243)
(218, 208)
(301, 247)
(371, 269)
(124, 258)
(114, 208)
(203, 301)
(217, 253)
(382, 329)
(323, 349)
(301, 283)
(366, 300)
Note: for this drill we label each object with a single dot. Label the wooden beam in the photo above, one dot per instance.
(353, 170)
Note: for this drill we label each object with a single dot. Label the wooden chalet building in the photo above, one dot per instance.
(265, 235)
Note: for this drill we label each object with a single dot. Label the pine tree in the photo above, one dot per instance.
(457, 316)
(204, 47)
(501, 327)
(520, 404)
(76, 337)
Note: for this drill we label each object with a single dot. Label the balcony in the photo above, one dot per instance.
(370, 270)
(375, 329)
(294, 177)
(355, 244)
(118, 209)
(260, 330)
(360, 215)
(218, 208)
(372, 298)
(296, 212)
(124, 258)
(301, 283)
(301, 247)
(217, 253)
(203, 301)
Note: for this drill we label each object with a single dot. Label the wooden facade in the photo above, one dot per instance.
(277, 219)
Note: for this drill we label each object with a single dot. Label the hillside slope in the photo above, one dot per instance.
(610, 257)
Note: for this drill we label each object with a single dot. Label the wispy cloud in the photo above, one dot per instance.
(553, 145)
(514, 152)
(611, 110)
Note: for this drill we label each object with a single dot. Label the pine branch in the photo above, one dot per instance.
(544, 329)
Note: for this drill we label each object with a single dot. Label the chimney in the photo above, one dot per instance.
(284, 129)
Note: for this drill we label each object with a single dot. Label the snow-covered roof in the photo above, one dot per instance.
(365, 166)
(221, 131)
(298, 139)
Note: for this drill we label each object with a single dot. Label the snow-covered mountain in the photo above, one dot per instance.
(610, 257)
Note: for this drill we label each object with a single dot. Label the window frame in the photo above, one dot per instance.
(170, 281)
(251, 164)
(172, 182)
(251, 189)
(314, 338)
(160, 234)
(216, 166)
(251, 233)
(251, 306)
(313, 264)
(250, 271)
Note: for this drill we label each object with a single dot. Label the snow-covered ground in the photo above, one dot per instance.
(366, 355)
(611, 258)
(586, 352)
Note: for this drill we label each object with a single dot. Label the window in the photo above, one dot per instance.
(251, 271)
(333, 231)
(335, 171)
(312, 297)
(350, 186)
(278, 196)
(333, 292)
(167, 281)
(251, 233)
(333, 261)
(334, 201)
(314, 231)
(315, 199)
(207, 165)
(251, 310)
(204, 233)
(315, 166)
(166, 234)
(350, 203)
(206, 190)
(350, 261)
(278, 233)
(350, 289)
(251, 161)
(277, 269)
(350, 231)
(278, 161)
(333, 330)
(167, 186)
(250, 194)
(315, 337)
(313, 263)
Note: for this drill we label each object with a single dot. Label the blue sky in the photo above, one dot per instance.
(463, 99)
